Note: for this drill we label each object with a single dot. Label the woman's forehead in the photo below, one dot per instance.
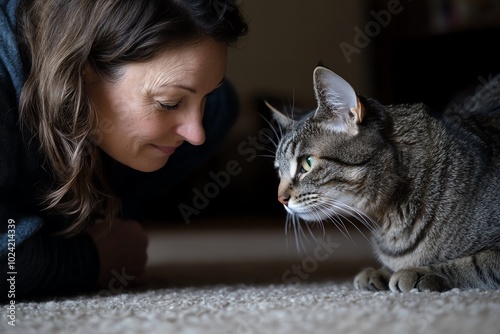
(201, 63)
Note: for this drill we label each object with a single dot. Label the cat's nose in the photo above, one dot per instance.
(283, 200)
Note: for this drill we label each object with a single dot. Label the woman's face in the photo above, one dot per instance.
(157, 105)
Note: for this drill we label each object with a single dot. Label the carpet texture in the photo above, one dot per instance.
(249, 282)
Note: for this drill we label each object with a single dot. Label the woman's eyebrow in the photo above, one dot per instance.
(190, 89)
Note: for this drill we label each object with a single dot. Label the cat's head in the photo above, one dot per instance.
(334, 158)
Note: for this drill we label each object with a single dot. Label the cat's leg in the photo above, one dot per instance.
(373, 279)
(481, 271)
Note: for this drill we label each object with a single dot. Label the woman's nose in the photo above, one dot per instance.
(191, 129)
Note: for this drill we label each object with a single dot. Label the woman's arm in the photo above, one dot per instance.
(45, 265)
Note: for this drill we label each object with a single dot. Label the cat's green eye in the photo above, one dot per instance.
(307, 163)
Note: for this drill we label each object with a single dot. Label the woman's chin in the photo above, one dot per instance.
(149, 166)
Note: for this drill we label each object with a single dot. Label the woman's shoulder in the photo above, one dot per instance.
(11, 67)
(11, 77)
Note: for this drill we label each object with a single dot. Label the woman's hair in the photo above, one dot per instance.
(58, 39)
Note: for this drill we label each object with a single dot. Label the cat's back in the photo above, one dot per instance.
(473, 127)
(476, 120)
(481, 108)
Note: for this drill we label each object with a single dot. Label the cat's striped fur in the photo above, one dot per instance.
(431, 184)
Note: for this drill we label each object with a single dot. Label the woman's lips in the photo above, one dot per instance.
(167, 150)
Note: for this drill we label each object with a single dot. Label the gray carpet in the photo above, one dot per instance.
(246, 281)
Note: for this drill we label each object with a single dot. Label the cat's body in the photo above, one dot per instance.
(431, 184)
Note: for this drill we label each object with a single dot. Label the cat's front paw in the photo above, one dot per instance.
(421, 279)
(372, 279)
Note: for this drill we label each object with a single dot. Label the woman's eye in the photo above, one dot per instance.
(168, 106)
(307, 164)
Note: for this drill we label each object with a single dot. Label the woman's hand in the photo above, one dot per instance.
(122, 253)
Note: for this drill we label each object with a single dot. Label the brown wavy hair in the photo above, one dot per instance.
(58, 39)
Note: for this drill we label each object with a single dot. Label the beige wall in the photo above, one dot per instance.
(287, 39)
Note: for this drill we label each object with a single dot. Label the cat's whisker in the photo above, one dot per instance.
(281, 131)
(311, 233)
(322, 226)
(265, 156)
(333, 204)
(287, 227)
(293, 101)
(355, 213)
(319, 222)
(272, 140)
(340, 219)
(346, 217)
(273, 128)
(269, 150)
(333, 217)
(292, 222)
(363, 218)
(291, 226)
(334, 220)
(303, 234)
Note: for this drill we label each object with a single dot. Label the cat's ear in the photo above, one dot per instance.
(338, 105)
(283, 120)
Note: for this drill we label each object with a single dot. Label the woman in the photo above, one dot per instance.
(103, 105)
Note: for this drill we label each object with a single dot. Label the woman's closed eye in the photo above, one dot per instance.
(169, 106)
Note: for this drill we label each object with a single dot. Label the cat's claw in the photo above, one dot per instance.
(372, 280)
(422, 279)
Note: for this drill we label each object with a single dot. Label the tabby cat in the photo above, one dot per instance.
(429, 183)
